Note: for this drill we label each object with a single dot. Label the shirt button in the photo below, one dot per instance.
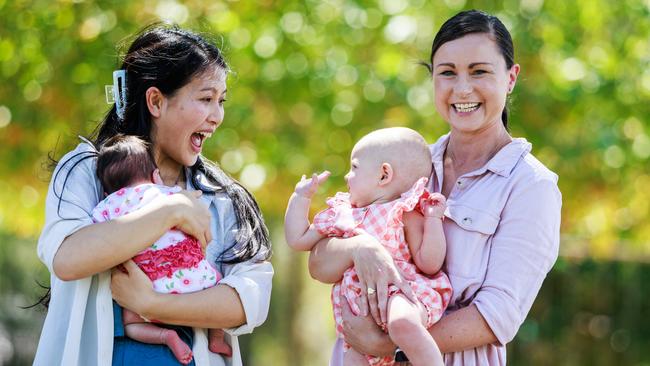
(467, 220)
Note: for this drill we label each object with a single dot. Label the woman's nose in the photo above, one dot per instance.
(216, 116)
(463, 87)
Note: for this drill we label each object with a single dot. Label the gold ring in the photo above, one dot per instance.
(371, 291)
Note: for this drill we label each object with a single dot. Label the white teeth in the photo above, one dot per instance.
(466, 107)
(205, 134)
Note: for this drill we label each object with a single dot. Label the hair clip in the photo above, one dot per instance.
(116, 93)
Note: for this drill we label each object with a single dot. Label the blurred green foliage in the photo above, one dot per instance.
(309, 78)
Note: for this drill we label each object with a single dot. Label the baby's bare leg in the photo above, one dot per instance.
(354, 358)
(217, 343)
(406, 328)
(136, 329)
(130, 317)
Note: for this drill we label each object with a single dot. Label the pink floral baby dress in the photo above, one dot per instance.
(175, 262)
(384, 222)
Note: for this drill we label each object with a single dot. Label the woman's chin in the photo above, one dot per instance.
(193, 160)
(189, 159)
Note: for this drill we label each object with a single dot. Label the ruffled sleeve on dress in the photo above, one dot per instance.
(407, 202)
(337, 220)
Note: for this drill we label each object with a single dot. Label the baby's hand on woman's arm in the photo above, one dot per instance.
(307, 187)
(434, 205)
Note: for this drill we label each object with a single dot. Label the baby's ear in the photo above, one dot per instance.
(156, 178)
(387, 174)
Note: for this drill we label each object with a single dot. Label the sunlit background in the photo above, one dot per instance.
(309, 78)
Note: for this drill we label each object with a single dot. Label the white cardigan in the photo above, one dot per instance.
(78, 329)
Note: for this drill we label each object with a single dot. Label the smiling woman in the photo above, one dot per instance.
(171, 97)
(503, 212)
(199, 104)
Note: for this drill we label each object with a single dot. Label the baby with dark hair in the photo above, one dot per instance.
(175, 262)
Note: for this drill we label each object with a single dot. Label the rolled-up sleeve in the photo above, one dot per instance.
(72, 194)
(251, 279)
(524, 248)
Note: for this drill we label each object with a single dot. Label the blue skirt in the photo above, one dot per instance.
(127, 352)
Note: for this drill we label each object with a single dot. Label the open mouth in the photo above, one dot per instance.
(466, 107)
(197, 139)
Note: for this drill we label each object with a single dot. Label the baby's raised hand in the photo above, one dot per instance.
(307, 187)
(434, 205)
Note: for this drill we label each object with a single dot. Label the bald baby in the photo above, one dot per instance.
(404, 149)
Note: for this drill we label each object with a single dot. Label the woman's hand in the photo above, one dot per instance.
(131, 289)
(376, 271)
(191, 215)
(363, 334)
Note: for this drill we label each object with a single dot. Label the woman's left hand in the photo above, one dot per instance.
(363, 334)
(131, 290)
(376, 271)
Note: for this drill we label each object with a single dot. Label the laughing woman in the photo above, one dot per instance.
(173, 85)
(503, 207)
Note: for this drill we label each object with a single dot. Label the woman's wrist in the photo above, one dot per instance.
(149, 304)
(361, 243)
(383, 345)
(172, 213)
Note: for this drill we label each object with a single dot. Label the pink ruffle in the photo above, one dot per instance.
(408, 201)
(164, 262)
(337, 220)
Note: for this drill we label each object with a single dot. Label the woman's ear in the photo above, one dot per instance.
(155, 99)
(387, 174)
(512, 77)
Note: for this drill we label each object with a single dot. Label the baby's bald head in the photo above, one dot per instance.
(403, 148)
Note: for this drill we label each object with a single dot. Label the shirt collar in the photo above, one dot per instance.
(502, 163)
(204, 183)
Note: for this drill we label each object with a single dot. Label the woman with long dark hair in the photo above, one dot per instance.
(169, 91)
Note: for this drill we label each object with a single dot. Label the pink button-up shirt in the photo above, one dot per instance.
(503, 236)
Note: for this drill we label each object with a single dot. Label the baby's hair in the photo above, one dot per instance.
(122, 161)
(404, 149)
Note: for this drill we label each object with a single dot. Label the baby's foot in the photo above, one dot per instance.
(217, 344)
(221, 348)
(180, 349)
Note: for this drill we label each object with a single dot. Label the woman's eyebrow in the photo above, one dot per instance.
(474, 64)
(213, 89)
(446, 64)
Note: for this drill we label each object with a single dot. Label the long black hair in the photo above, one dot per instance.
(168, 58)
(476, 21)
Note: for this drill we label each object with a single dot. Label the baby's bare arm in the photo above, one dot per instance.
(297, 231)
(426, 241)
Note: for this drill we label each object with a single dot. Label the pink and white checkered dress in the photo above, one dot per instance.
(384, 222)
